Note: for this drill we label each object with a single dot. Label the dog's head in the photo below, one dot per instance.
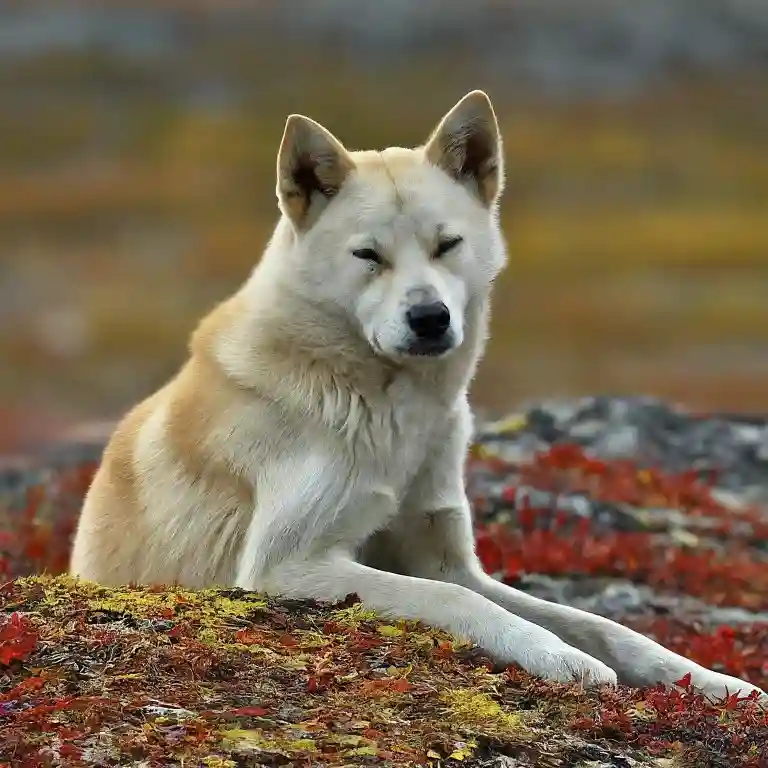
(399, 240)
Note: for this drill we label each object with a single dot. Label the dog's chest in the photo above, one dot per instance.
(396, 442)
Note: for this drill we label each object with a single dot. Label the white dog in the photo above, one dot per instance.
(313, 445)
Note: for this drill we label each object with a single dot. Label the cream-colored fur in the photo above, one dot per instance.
(313, 446)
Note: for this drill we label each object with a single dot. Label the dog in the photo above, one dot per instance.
(313, 444)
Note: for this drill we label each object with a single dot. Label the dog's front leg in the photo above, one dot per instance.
(437, 549)
(433, 538)
(454, 608)
(306, 550)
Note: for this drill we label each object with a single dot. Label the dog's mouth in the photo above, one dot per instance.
(419, 349)
(428, 347)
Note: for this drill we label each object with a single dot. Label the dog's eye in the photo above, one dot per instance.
(367, 254)
(447, 245)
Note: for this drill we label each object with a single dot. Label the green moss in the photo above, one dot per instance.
(207, 606)
(353, 616)
(258, 740)
(476, 708)
(213, 761)
(361, 752)
(208, 636)
(389, 631)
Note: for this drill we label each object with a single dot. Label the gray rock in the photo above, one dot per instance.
(620, 442)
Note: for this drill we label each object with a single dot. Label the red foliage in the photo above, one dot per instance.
(740, 650)
(36, 530)
(735, 579)
(681, 717)
(567, 467)
(17, 638)
(250, 711)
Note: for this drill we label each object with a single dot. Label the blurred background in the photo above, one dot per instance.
(137, 147)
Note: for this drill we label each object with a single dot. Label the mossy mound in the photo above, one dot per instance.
(168, 677)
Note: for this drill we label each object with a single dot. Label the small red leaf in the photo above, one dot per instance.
(250, 711)
(401, 685)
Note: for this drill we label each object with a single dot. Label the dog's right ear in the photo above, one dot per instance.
(312, 164)
(467, 146)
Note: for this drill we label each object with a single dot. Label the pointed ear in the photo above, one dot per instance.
(467, 146)
(312, 164)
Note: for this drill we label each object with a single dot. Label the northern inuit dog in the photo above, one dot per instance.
(313, 444)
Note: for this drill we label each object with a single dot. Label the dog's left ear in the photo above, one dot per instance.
(467, 145)
(312, 164)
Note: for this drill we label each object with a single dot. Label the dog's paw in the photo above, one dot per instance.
(566, 664)
(716, 686)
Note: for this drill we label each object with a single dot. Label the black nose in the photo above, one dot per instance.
(429, 321)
